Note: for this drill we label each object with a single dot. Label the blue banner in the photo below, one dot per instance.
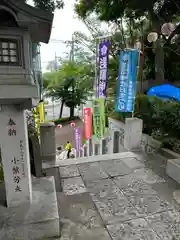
(126, 81)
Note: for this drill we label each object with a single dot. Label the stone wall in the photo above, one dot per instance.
(148, 144)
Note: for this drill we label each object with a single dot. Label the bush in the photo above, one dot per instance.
(64, 120)
(161, 119)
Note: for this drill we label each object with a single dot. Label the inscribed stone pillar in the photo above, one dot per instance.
(48, 141)
(133, 133)
(15, 155)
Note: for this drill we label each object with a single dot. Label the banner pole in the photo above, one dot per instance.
(138, 68)
(96, 69)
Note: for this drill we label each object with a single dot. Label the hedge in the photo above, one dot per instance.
(161, 119)
(64, 120)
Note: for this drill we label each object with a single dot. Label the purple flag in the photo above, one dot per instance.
(78, 139)
(103, 68)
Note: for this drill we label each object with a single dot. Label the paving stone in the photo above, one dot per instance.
(103, 190)
(137, 229)
(133, 163)
(147, 175)
(149, 204)
(91, 171)
(73, 186)
(133, 186)
(72, 231)
(113, 210)
(115, 168)
(69, 171)
(166, 224)
(79, 209)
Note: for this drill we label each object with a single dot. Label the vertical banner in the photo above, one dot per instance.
(126, 81)
(99, 117)
(103, 68)
(78, 139)
(41, 112)
(87, 123)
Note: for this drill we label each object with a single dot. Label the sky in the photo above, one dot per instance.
(65, 23)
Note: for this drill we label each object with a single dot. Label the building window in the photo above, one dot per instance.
(9, 54)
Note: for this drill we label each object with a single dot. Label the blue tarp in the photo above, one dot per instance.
(165, 91)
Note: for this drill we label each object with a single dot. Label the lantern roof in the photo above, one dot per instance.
(38, 22)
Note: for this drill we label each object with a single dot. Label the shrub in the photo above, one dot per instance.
(63, 120)
(161, 119)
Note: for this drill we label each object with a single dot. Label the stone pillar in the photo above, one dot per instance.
(104, 143)
(96, 149)
(111, 142)
(133, 133)
(15, 155)
(37, 156)
(81, 153)
(90, 147)
(48, 141)
(85, 151)
(116, 142)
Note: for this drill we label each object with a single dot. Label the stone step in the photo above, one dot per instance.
(97, 158)
(40, 220)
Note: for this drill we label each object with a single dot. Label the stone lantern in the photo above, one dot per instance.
(20, 26)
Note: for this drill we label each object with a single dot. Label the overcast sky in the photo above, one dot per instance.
(65, 23)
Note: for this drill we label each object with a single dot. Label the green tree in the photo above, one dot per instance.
(157, 12)
(71, 84)
(49, 5)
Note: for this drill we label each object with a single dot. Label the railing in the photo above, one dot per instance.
(115, 142)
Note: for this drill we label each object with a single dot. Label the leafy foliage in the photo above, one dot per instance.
(161, 119)
(71, 84)
(49, 5)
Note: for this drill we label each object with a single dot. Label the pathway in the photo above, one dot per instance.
(66, 133)
(123, 199)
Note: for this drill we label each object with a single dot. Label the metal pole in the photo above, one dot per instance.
(96, 72)
(138, 67)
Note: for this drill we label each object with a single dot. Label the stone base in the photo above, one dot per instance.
(173, 169)
(40, 220)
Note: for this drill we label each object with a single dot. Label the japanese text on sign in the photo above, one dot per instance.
(16, 174)
(11, 127)
(22, 157)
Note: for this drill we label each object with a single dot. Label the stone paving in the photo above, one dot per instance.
(123, 199)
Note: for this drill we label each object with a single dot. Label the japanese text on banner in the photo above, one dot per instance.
(103, 68)
(99, 117)
(87, 123)
(126, 81)
(78, 139)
